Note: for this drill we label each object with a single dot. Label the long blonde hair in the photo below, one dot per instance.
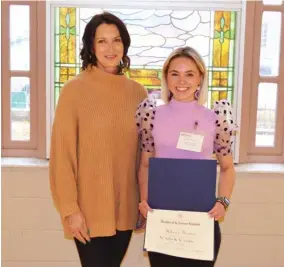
(187, 52)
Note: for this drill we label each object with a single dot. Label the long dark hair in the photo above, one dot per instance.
(87, 54)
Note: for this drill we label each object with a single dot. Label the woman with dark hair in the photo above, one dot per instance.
(87, 53)
(94, 147)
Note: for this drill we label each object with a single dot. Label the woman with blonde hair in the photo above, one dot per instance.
(184, 92)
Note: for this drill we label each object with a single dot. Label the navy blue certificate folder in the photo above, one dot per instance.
(182, 184)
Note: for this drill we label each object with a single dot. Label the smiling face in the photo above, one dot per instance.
(183, 79)
(108, 47)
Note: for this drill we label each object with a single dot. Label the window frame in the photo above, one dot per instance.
(248, 150)
(35, 147)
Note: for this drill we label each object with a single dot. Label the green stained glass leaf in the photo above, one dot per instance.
(227, 34)
(62, 30)
(217, 35)
(72, 30)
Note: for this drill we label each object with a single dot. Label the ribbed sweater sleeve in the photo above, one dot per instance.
(63, 153)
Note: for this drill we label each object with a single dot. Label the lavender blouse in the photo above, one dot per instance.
(159, 128)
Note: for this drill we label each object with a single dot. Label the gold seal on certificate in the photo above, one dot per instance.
(183, 234)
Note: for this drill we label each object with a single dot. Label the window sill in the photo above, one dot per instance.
(240, 168)
(277, 168)
(24, 162)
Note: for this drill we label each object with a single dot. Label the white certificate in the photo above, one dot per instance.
(183, 234)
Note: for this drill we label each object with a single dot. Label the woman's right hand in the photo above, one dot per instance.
(78, 227)
(144, 208)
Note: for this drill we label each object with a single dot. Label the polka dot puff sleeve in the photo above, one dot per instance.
(225, 128)
(144, 117)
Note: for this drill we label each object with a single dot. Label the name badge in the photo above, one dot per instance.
(190, 142)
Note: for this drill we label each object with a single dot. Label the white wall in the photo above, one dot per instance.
(253, 233)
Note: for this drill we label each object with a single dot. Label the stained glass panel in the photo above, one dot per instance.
(65, 48)
(154, 35)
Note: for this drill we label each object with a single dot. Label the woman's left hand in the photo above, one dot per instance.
(218, 211)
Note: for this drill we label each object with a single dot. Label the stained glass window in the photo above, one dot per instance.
(154, 35)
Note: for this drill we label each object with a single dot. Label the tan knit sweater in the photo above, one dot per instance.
(94, 149)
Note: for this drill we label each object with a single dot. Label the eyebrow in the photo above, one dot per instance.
(118, 36)
(188, 71)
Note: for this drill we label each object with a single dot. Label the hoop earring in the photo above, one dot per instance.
(197, 93)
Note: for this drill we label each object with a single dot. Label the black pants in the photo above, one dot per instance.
(106, 251)
(162, 260)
